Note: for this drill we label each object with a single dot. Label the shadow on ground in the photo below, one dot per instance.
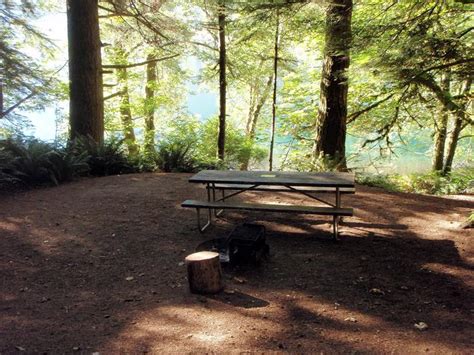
(96, 266)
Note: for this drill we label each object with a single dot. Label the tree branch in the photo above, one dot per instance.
(121, 92)
(11, 108)
(125, 66)
(31, 94)
(353, 116)
(443, 97)
(443, 66)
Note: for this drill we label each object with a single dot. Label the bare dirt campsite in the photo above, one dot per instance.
(96, 265)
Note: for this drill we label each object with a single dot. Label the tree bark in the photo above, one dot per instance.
(222, 82)
(86, 107)
(460, 118)
(126, 112)
(330, 135)
(150, 107)
(275, 80)
(441, 128)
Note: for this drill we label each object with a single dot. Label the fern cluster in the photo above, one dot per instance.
(31, 162)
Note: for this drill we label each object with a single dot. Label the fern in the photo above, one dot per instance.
(106, 158)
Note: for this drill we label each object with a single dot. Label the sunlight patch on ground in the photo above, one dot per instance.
(437, 222)
(451, 223)
(192, 327)
(451, 270)
(10, 226)
(345, 325)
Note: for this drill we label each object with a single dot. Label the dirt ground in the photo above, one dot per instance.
(96, 266)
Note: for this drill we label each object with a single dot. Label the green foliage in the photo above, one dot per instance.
(238, 146)
(67, 164)
(27, 161)
(8, 173)
(387, 182)
(189, 145)
(470, 219)
(103, 159)
(23, 75)
(305, 162)
(31, 162)
(434, 183)
(175, 156)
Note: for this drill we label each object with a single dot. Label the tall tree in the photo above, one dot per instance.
(441, 127)
(86, 107)
(258, 97)
(330, 136)
(275, 81)
(460, 121)
(126, 112)
(150, 107)
(222, 81)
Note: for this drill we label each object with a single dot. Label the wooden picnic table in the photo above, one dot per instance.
(282, 178)
(306, 183)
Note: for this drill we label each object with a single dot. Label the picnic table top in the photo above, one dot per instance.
(285, 178)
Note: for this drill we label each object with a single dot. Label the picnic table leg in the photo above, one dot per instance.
(209, 215)
(209, 199)
(337, 219)
(202, 229)
(335, 226)
(218, 213)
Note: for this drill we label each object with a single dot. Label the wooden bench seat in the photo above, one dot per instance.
(276, 188)
(321, 210)
(336, 212)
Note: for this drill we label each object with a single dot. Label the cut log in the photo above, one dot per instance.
(204, 272)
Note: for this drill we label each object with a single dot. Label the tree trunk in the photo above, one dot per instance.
(1, 97)
(222, 82)
(252, 124)
(126, 112)
(460, 117)
(441, 128)
(150, 107)
(330, 136)
(275, 79)
(257, 101)
(253, 93)
(86, 107)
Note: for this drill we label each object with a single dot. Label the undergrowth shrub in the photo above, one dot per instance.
(67, 164)
(103, 159)
(26, 161)
(175, 156)
(434, 183)
(30, 162)
(7, 170)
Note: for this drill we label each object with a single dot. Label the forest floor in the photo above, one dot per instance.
(97, 266)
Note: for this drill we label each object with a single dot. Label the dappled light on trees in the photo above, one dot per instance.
(196, 82)
(330, 137)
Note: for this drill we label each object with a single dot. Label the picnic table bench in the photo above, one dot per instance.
(308, 184)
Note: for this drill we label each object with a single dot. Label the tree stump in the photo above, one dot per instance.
(204, 272)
